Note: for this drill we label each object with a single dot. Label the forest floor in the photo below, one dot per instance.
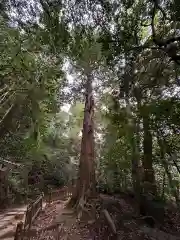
(57, 222)
(124, 222)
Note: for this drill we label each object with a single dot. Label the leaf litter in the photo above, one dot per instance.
(122, 210)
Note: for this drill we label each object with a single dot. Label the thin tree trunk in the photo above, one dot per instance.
(174, 158)
(6, 121)
(171, 154)
(85, 186)
(163, 184)
(166, 167)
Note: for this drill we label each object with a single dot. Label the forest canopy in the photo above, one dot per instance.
(89, 91)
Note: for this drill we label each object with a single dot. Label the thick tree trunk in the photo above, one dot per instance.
(135, 163)
(132, 127)
(85, 186)
(136, 175)
(149, 185)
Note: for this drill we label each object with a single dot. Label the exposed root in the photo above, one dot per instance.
(80, 207)
(68, 213)
(85, 207)
(110, 221)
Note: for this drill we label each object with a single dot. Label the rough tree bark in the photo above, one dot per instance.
(7, 120)
(166, 168)
(149, 185)
(3, 185)
(85, 186)
(135, 154)
(132, 126)
(163, 184)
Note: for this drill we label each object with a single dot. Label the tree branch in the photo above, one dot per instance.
(163, 44)
(160, 8)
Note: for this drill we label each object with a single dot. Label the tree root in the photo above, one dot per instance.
(81, 208)
(110, 221)
(68, 213)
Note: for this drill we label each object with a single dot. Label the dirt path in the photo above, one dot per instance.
(9, 219)
(66, 225)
